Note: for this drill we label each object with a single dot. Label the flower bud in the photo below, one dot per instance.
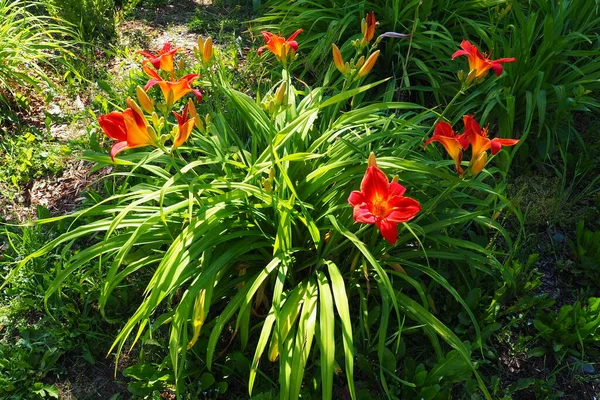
(192, 108)
(338, 60)
(471, 76)
(372, 161)
(479, 163)
(360, 62)
(271, 174)
(280, 93)
(199, 124)
(207, 52)
(368, 65)
(145, 101)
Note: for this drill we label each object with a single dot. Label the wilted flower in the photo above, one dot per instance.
(281, 47)
(129, 128)
(479, 63)
(382, 203)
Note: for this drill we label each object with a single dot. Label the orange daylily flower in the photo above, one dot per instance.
(185, 123)
(480, 143)
(479, 62)
(452, 142)
(382, 203)
(368, 26)
(163, 59)
(278, 45)
(129, 128)
(176, 89)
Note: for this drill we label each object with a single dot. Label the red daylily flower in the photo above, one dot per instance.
(382, 203)
(278, 45)
(178, 89)
(478, 138)
(163, 59)
(185, 124)
(452, 142)
(129, 128)
(479, 62)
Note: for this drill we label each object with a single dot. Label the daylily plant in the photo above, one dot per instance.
(382, 203)
(281, 47)
(129, 128)
(479, 64)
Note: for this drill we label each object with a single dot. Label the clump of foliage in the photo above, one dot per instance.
(240, 212)
(31, 45)
(93, 19)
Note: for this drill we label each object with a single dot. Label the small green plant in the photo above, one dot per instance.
(586, 249)
(23, 158)
(574, 331)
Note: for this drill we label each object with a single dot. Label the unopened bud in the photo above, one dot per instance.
(145, 101)
(280, 93)
(372, 161)
(360, 62)
(479, 163)
(471, 76)
(267, 185)
(272, 174)
(208, 51)
(368, 65)
(191, 108)
(338, 60)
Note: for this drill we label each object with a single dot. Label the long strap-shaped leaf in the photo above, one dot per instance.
(326, 335)
(341, 303)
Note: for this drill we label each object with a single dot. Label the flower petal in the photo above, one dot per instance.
(293, 36)
(388, 229)
(497, 143)
(355, 198)
(374, 185)
(404, 209)
(396, 189)
(113, 125)
(363, 214)
(117, 148)
(443, 129)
